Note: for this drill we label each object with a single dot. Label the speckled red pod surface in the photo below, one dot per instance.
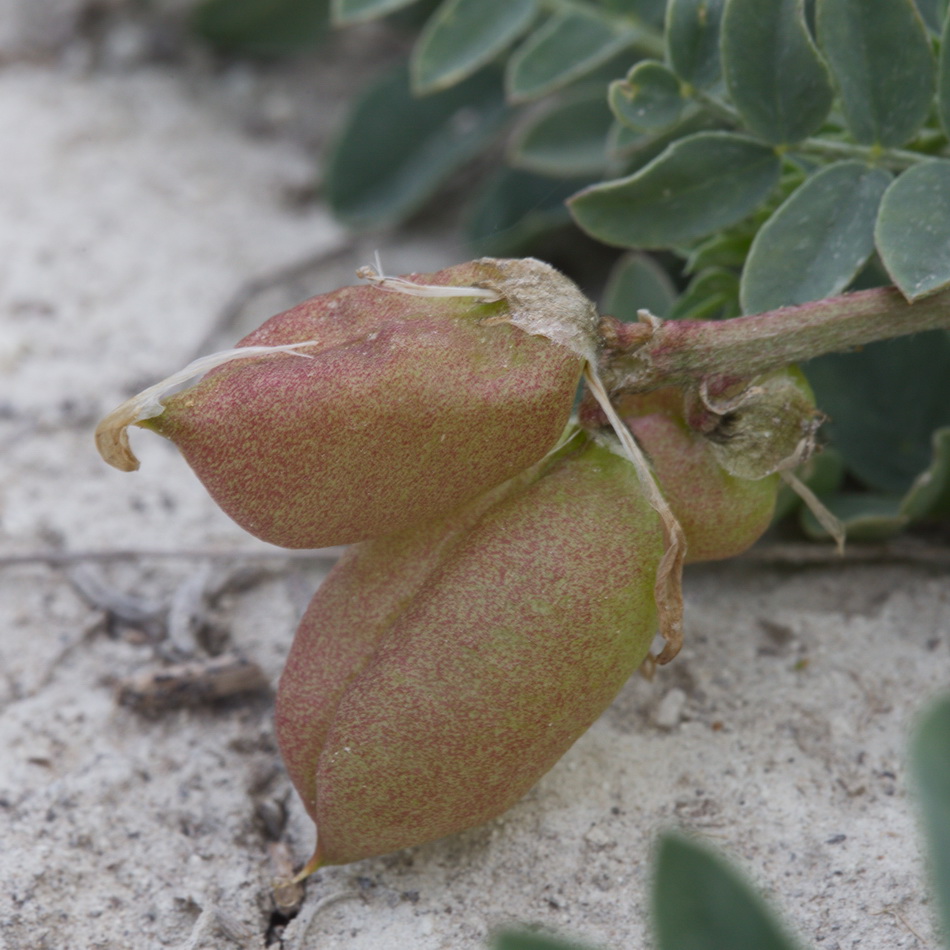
(438, 674)
(406, 408)
(721, 515)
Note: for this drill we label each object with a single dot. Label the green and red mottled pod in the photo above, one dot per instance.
(438, 674)
(718, 462)
(720, 514)
(402, 407)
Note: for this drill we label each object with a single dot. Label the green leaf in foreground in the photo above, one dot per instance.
(463, 35)
(396, 150)
(930, 764)
(882, 64)
(773, 71)
(262, 27)
(698, 185)
(913, 229)
(817, 240)
(701, 903)
(354, 11)
(885, 401)
(692, 40)
(565, 48)
(567, 137)
(519, 940)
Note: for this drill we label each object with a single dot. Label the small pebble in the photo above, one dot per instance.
(597, 838)
(669, 711)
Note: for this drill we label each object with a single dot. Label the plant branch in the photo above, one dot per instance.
(640, 357)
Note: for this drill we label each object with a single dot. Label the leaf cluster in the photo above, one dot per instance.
(701, 902)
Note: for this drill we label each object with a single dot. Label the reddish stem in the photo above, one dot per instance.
(639, 358)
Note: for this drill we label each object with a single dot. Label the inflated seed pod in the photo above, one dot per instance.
(720, 514)
(390, 410)
(437, 675)
(719, 462)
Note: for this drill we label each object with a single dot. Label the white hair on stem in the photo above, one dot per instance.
(668, 590)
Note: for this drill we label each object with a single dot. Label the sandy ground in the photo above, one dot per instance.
(150, 212)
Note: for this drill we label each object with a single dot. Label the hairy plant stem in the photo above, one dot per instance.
(640, 357)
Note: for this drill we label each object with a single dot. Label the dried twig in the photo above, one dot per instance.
(191, 684)
(213, 920)
(98, 593)
(297, 939)
(287, 895)
(187, 610)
